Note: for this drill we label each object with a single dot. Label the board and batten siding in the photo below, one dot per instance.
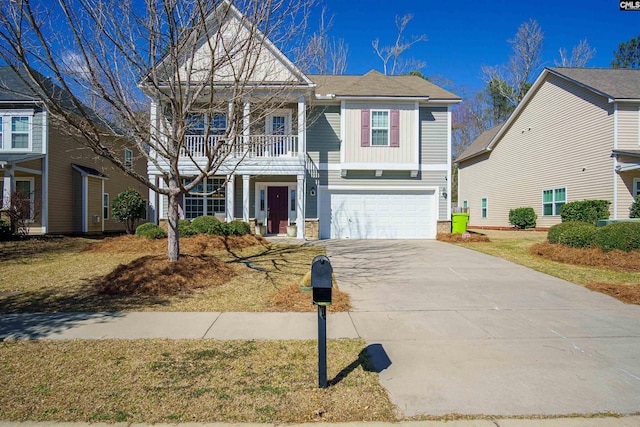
(355, 153)
(628, 118)
(434, 127)
(562, 138)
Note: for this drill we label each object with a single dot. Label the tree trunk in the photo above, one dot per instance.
(173, 241)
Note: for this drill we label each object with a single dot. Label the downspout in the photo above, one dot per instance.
(615, 161)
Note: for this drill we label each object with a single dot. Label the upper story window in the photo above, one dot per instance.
(128, 158)
(553, 200)
(379, 128)
(16, 129)
(198, 124)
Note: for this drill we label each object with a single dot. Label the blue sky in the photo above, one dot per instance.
(464, 35)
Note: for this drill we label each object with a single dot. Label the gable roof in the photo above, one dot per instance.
(376, 84)
(480, 144)
(616, 84)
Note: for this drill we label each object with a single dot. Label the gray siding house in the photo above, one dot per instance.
(574, 136)
(360, 157)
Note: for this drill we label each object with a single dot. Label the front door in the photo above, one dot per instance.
(277, 210)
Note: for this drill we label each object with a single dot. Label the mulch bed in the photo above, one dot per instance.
(593, 257)
(462, 238)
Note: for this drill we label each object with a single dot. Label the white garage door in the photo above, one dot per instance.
(378, 214)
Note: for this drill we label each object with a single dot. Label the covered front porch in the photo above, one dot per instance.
(627, 181)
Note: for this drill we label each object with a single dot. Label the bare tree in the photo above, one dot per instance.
(523, 63)
(112, 60)
(390, 55)
(580, 55)
(325, 54)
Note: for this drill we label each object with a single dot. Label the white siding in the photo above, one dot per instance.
(562, 138)
(628, 123)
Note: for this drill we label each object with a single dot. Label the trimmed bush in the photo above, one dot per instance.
(185, 229)
(579, 235)
(237, 228)
(218, 229)
(128, 207)
(634, 211)
(624, 236)
(5, 230)
(585, 211)
(150, 231)
(523, 217)
(202, 224)
(553, 236)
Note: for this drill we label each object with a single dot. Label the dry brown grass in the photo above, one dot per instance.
(173, 381)
(594, 257)
(292, 298)
(629, 294)
(462, 238)
(129, 273)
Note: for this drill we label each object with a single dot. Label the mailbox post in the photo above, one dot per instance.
(321, 284)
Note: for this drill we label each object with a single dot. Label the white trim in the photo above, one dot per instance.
(414, 188)
(280, 112)
(380, 166)
(302, 128)
(388, 98)
(615, 161)
(264, 185)
(45, 172)
(27, 170)
(300, 205)
(85, 202)
(103, 194)
(7, 131)
(486, 207)
(343, 123)
(9, 185)
(128, 164)
(553, 201)
(416, 132)
(385, 166)
(448, 174)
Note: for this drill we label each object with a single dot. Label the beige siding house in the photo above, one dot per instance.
(70, 186)
(574, 136)
(364, 156)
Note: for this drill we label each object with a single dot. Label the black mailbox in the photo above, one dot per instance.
(321, 280)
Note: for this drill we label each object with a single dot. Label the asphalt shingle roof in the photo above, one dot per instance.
(480, 144)
(377, 84)
(616, 83)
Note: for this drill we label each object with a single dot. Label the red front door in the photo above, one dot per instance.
(278, 210)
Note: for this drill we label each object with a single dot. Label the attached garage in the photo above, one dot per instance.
(378, 214)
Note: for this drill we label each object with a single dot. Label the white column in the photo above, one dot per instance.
(45, 173)
(246, 123)
(300, 197)
(153, 209)
(8, 185)
(302, 127)
(230, 196)
(245, 197)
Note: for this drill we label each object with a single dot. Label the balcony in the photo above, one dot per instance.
(253, 146)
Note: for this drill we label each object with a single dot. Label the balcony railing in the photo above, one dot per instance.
(254, 146)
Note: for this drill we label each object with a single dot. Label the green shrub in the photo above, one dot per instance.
(585, 211)
(523, 217)
(150, 231)
(5, 230)
(634, 211)
(202, 224)
(579, 235)
(237, 228)
(553, 236)
(128, 207)
(620, 235)
(218, 228)
(185, 229)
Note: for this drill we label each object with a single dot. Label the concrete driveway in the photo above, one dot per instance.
(468, 333)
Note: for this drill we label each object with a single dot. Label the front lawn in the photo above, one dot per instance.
(515, 246)
(129, 273)
(173, 381)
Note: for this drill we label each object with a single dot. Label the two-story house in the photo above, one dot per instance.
(574, 136)
(361, 157)
(69, 186)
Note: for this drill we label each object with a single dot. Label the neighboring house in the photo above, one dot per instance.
(71, 188)
(574, 136)
(346, 157)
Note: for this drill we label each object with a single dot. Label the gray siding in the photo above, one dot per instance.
(37, 121)
(433, 135)
(323, 135)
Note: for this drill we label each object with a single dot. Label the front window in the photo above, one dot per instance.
(199, 202)
(105, 206)
(24, 187)
(380, 128)
(128, 158)
(636, 187)
(20, 132)
(485, 208)
(199, 124)
(278, 125)
(293, 200)
(553, 200)
(16, 127)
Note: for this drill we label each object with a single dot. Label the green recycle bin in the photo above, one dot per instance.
(459, 222)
